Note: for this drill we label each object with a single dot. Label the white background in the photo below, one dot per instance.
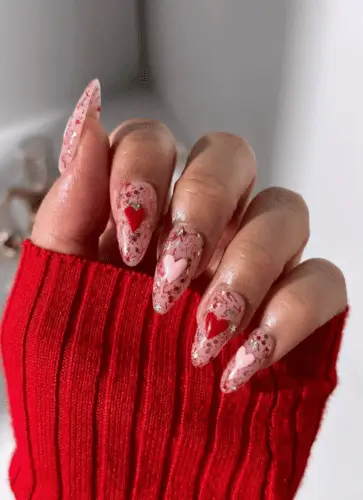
(288, 75)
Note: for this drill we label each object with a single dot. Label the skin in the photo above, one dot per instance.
(250, 247)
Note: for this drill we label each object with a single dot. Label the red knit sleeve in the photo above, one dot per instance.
(106, 404)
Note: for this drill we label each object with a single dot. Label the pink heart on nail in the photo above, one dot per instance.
(244, 359)
(172, 268)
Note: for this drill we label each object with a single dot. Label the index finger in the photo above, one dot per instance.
(212, 189)
(75, 211)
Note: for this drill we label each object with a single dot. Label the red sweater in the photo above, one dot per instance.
(106, 404)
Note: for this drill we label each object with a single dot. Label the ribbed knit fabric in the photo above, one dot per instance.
(106, 404)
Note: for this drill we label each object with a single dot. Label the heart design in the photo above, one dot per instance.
(135, 215)
(244, 359)
(215, 326)
(173, 268)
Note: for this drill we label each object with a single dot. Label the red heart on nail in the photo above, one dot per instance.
(215, 326)
(134, 216)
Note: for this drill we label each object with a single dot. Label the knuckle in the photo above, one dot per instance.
(226, 138)
(329, 272)
(207, 187)
(137, 130)
(225, 141)
(282, 197)
(251, 254)
(299, 306)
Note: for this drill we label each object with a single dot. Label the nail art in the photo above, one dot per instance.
(88, 105)
(136, 219)
(218, 324)
(176, 267)
(248, 360)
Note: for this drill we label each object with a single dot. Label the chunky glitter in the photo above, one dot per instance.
(136, 219)
(218, 324)
(176, 266)
(248, 360)
(88, 105)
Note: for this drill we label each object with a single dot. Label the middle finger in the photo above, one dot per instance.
(275, 229)
(219, 172)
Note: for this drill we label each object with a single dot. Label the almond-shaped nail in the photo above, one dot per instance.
(88, 105)
(249, 358)
(136, 219)
(217, 325)
(176, 266)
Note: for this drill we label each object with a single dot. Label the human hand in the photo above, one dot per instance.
(110, 201)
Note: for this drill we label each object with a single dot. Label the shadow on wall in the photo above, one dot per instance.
(218, 65)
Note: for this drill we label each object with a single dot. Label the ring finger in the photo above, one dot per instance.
(274, 231)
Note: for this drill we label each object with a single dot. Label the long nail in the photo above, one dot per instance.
(176, 267)
(136, 219)
(217, 325)
(249, 358)
(88, 105)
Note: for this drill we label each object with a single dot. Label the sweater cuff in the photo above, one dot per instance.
(105, 402)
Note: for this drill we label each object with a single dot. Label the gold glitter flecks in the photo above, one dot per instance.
(135, 206)
(178, 217)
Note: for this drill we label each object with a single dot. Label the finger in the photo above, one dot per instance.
(312, 294)
(220, 170)
(143, 162)
(74, 213)
(274, 229)
(108, 247)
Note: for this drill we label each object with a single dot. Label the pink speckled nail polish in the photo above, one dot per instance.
(248, 360)
(88, 105)
(218, 324)
(176, 267)
(136, 219)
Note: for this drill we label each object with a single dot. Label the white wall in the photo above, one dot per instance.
(291, 81)
(49, 50)
(218, 65)
(319, 152)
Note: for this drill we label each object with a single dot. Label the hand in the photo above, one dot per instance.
(109, 202)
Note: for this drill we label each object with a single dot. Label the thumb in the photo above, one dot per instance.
(76, 209)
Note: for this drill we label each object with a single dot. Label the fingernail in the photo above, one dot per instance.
(136, 219)
(88, 105)
(217, 325)
(176, 266)
(248, 360)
